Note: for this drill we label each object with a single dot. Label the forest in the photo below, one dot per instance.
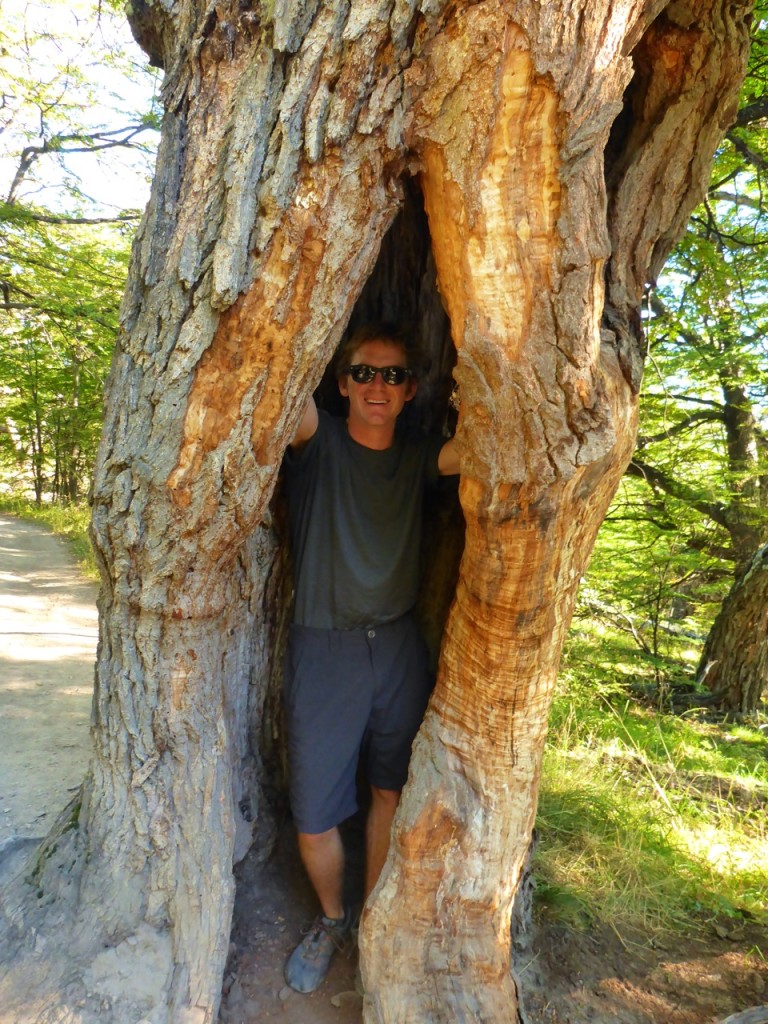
(652, 810)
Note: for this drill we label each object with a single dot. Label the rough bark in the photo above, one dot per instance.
(289, 131)
(734, 661)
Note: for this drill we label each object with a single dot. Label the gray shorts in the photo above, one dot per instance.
(349, 691)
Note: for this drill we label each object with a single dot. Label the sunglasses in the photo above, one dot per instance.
(362, 373)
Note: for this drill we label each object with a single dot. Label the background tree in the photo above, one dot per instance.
(56, 344)
(703, 444)
(64, 232)
(292, 137)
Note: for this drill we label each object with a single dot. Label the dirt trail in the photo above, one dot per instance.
(48, 632)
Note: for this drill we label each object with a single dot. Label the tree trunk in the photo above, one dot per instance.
(289, 133)
(734, 662)
(547, 423)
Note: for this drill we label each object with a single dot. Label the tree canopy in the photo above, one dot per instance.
(78, 126)
(693, 511)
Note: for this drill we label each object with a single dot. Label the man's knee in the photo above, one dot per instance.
(317, 840)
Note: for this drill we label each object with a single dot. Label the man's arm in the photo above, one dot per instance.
(448, 459)
(307, 426)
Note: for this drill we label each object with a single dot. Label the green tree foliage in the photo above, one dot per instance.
(76, 160)
(58, 333)
(689, 523)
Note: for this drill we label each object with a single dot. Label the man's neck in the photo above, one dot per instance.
(379, 438)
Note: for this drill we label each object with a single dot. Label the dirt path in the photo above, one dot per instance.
(48, 626)
(48, 631)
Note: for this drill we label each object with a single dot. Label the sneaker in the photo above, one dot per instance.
(308, 964)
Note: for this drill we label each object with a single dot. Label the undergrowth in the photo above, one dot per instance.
(647, 819)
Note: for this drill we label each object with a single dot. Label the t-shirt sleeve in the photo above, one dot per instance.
(297, 461)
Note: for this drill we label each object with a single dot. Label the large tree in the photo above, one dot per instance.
(557, 150)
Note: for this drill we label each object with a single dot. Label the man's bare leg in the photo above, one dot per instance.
(378, 830)
(323, 857)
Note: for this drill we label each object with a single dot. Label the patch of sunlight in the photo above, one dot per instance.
(20, 604)
(726, 853)
(81, 647)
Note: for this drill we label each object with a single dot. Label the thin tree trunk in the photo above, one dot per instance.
(734, 662)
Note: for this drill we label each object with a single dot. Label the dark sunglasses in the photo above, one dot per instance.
(362, 373)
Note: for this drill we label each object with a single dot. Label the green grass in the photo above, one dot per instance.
(70, 521)
(647, 819)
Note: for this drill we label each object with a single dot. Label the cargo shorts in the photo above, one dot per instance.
(351, 696)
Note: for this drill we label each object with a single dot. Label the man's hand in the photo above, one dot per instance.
(448, 459)
(307, 427)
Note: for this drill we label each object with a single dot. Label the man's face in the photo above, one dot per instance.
(377, 403)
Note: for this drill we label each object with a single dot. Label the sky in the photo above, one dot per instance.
(64, 68)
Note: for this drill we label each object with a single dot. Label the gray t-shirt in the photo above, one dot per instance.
(355, 521)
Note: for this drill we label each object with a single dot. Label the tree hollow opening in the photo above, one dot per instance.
(402, 290)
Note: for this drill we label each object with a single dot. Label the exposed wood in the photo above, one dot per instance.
(520, 243)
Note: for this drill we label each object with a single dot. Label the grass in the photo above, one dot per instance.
(70, 521)
(647, 819)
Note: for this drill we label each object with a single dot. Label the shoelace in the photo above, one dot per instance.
(335, 932)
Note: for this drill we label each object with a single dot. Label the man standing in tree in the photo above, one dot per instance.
(357, 679)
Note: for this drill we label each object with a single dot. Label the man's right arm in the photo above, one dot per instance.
(307, 426)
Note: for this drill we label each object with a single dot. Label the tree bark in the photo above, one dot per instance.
(734, 661)
(289, 132)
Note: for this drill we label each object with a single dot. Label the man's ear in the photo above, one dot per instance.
(343, 385)
(411, 388)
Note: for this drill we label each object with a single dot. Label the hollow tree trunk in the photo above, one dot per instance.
(289, 130)
(511, 150)
(734, 662)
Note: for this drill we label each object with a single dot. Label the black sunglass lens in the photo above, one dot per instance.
(361, 373)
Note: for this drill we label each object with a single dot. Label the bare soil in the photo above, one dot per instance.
(601, 976)
(48, 633)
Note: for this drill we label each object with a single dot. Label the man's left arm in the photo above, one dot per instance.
(448, 459)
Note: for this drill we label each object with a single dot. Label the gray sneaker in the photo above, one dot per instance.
(308, 964)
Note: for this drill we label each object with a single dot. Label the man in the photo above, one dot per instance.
(356, 669)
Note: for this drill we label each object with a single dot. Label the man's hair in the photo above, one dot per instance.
(376, 331)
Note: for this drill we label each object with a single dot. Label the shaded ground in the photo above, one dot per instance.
(567, 976)
(573, 978)
(47, 647)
